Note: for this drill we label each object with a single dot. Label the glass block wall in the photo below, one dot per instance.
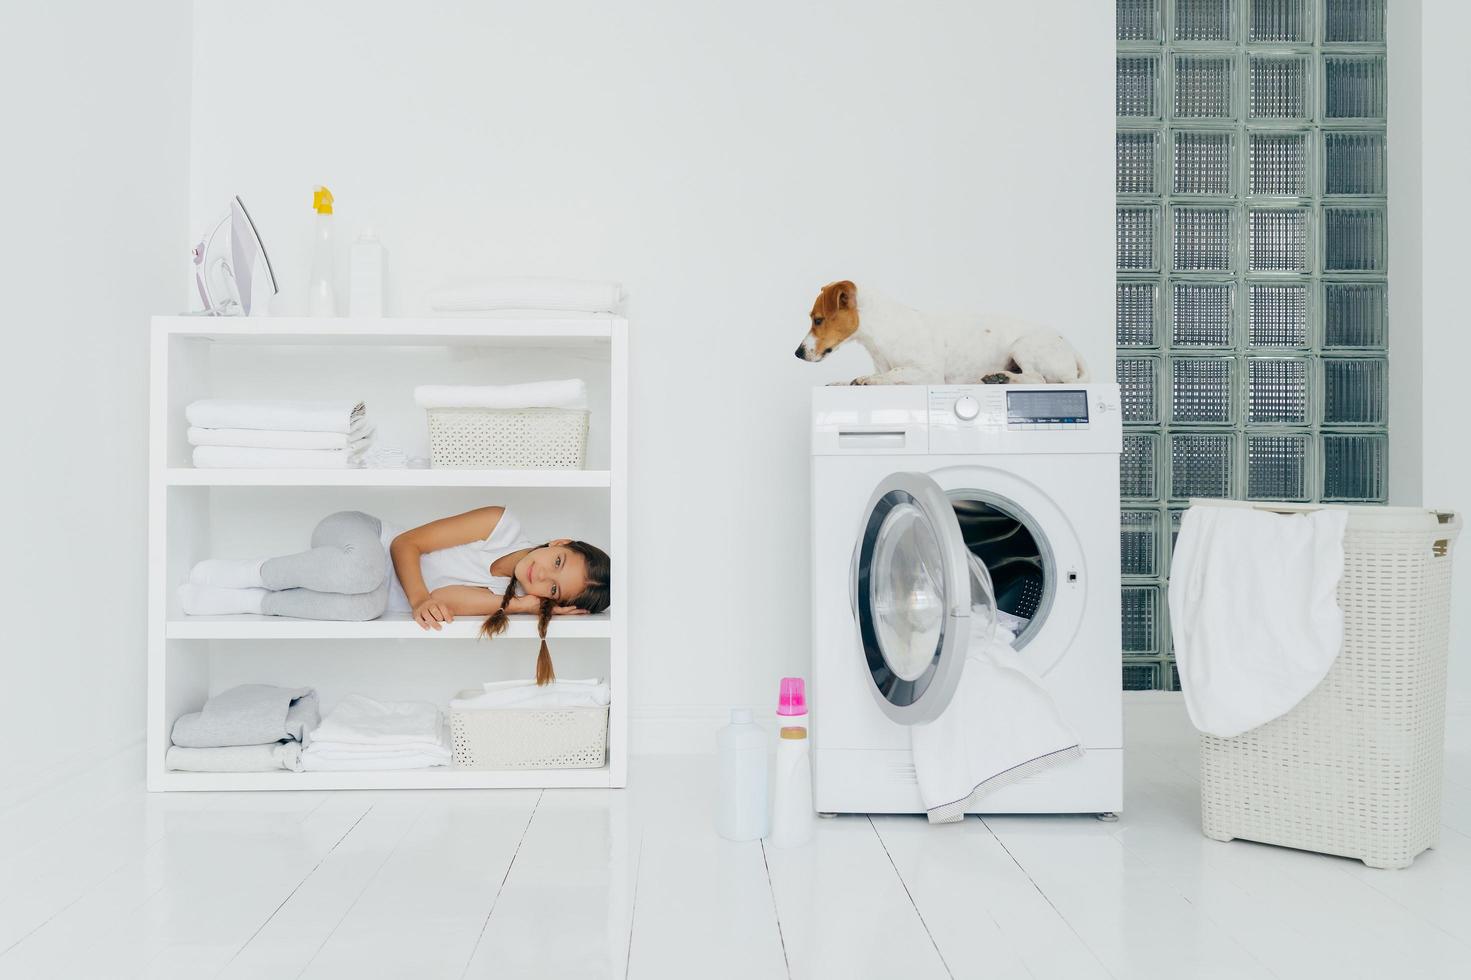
(1251, 253)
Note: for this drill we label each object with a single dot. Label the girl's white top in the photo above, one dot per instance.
(464, 564)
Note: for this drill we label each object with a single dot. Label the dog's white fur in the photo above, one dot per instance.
(910, 347)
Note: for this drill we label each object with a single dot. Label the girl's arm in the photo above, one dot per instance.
(449, 601)
(474, 525)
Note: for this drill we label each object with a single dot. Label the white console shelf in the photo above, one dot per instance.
(198, 513)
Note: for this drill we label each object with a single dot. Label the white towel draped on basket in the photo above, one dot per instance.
(1254, 611)
(307, 416)
(529, 293)
(569, 393)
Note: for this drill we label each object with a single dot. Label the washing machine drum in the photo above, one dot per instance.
(915, 588)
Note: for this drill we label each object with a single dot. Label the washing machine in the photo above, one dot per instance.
(909, 482)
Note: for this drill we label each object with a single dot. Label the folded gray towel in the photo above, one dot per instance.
(251, 714)
(236, 758)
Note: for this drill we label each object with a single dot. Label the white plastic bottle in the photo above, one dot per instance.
(740, 802)
(365, 278)
(792, 818)
(321, 295)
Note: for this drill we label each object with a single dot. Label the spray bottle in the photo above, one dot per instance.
(792, 817)
(321, 296)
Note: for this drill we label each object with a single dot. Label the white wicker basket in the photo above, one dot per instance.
(508, 439)
(529, 738)
(1355, 768)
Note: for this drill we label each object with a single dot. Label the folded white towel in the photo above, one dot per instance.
(359, 720)
(530, 293)
(235, 758)
(316, 762)
(301, 416)
(246, 458)
(571, 393)
(592, 693)
(1254, 611)
(356, 440)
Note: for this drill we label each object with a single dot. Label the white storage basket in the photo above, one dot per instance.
(529, 738)
(1355, 768)
(508, 438)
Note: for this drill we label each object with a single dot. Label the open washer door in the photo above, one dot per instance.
(912, 597)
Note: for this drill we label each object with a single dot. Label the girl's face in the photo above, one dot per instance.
(554, 572)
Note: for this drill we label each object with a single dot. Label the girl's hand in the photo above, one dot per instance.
(432, 613)
(531, 605)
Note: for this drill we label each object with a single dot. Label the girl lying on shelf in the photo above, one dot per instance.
(358, 568)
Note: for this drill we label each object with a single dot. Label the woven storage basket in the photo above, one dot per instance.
(529, 738)
(1355, 768)
(508, 439)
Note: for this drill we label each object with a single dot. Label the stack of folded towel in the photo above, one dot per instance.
(271, 434)
(360, 733)
(570, 393)
(529, 293)
(592, 693)
(250, 728)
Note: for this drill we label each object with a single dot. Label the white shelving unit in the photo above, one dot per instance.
(197, 513)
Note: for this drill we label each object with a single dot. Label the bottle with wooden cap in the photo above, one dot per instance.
(792, 817)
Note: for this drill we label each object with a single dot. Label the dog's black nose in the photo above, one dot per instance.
(800, 355)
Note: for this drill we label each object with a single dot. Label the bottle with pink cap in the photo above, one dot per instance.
(792, 817)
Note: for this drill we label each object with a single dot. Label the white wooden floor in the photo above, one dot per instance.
(100, 879)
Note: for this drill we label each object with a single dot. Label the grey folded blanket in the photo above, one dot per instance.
(251, 714)
(236, 758)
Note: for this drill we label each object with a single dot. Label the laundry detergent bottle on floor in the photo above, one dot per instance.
(740, 797)
(321, 293)
(792, 817)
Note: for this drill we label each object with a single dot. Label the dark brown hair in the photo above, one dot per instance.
(594, 597)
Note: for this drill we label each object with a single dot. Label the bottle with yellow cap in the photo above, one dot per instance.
(321, 295)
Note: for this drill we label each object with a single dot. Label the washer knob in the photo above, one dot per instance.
(966, 408)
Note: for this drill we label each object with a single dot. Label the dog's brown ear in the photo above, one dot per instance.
(847, 294)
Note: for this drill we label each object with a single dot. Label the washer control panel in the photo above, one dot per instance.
(1024, 418)
(1047, 408)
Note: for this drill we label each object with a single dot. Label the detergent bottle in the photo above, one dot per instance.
(740, 801)
(792, 817)
(321, 295)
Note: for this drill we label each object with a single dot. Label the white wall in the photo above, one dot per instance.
(1429, 326)
(724, 161)
(1446, 333)
(94, 174)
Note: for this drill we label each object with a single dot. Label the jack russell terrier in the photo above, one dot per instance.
(913, 348)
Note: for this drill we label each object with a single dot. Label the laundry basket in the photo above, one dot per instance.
(1355, 768)
(529, 738)
(508, 438)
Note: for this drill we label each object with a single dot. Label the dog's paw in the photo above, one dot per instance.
(838, 384)
(999, 378)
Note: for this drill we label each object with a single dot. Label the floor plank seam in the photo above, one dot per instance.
(387, 856)
(292, 894)
(638, 867)
(912, 903)
(87, 891)
(1048, 899)
(775, 911)
(1220, 927)
(502, 886)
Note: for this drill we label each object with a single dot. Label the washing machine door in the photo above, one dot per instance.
(912, 597)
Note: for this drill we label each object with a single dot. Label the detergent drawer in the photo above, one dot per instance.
(867, 420)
